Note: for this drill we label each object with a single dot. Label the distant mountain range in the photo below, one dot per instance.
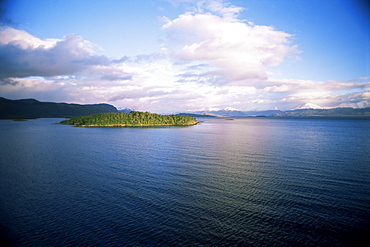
(31, 108)
(298, 113)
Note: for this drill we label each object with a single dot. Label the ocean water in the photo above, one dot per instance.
(242, 182)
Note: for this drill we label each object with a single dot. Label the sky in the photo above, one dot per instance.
(171, 56)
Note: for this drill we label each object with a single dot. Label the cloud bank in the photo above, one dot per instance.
(209, 59)
(24, 55)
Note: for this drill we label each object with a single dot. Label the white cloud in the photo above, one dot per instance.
(23, 39)
(22, 55)
(239, 52)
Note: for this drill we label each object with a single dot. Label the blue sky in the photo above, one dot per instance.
(175, 56)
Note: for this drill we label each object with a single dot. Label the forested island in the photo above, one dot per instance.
(132, 119)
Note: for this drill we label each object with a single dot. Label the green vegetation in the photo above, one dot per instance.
(133, 118)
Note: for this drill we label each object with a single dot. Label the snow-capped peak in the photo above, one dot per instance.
(310, 106)
(230, 109)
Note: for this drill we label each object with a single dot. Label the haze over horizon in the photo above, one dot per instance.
(168, 56)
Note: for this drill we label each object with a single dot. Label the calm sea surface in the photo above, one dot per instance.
(242, 182)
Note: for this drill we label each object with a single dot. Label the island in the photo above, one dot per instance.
(132, 119)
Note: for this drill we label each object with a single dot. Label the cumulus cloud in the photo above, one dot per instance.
(22, 55)
(238, 51)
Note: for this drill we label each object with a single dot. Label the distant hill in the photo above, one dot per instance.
(126, 110)
(31, 108)
(334, 112)
(298, 113)
(197, 115)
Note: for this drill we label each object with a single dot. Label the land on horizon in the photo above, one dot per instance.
(32, 108)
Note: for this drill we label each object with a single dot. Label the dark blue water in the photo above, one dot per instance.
(245, 182)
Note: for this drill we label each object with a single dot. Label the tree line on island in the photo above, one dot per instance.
(134, 118)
